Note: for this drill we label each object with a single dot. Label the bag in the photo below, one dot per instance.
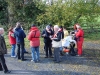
(36, 35)
(56, 43)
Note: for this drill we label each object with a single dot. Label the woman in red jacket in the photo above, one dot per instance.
(80, 38)
(34, 37)
(12, 41)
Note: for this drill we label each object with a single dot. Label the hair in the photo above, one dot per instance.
(18, 25)
(75, 26)
(61, 27)
(56, 26)
(10, 29)
(48, 27)
(1, 30)
(33, 25)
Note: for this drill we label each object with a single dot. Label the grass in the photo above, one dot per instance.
(92, 36)
(89, 53)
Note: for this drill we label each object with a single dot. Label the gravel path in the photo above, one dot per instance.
(70, 65)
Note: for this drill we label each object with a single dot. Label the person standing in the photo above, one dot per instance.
(79, 39)
(3, 50)
(12, 41)
(34, 37)
(65, 32)
(19, 35)
(56, 43)
(47, 33)
(24, 43)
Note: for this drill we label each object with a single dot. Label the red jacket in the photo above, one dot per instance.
(12, 40)
(34, 37)
(80, 34)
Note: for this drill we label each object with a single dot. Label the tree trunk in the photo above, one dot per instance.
(10, 11)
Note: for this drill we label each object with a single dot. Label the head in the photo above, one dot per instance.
(78, 27)
(72, 33)
(47, 27)
(33, 25)
(11, 29)
(1, 31)
(61, 27)
(75, 28)
(18, 25)
(56, 28)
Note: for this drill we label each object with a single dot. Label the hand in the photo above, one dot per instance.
(49, 31)
(52, 38)
(43, 35)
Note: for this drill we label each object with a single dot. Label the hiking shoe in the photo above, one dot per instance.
(6, 72)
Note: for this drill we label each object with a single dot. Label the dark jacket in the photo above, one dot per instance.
(58, 37)
(19, 35)
(3, 48)
(47, 36)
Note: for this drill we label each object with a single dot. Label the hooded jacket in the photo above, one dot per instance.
(34, 37)
(19, 35)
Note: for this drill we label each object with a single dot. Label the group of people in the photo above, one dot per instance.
(53, 36)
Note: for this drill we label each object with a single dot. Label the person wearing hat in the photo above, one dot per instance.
(19, 34)
(34, 38)
(79, 39)
(46, 34)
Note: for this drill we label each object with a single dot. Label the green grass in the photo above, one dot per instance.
(92, 36)
(88, 37)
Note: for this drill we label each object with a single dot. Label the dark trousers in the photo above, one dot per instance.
(57, 54)
(20, 50)
(3, 64)
(72, 51)
(48, 49)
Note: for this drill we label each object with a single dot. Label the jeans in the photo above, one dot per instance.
(61, 48)
(35, 53)
(13, 49)
(20, 51)
(25, 50)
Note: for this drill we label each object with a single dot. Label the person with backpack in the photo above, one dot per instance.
(34, 38)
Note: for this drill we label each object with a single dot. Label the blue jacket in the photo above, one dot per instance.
(19, 35)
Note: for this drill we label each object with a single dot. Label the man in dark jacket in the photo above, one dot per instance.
(3, 50)
(47, 33)
(19, 35)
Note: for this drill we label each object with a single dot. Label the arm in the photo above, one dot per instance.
(78, 34)
(24, 35)
(43, 33)
(30, 35)
(58, 37)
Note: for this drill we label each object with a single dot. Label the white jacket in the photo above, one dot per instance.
(67, 40)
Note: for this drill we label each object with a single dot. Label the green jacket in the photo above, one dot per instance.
(3, 48)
